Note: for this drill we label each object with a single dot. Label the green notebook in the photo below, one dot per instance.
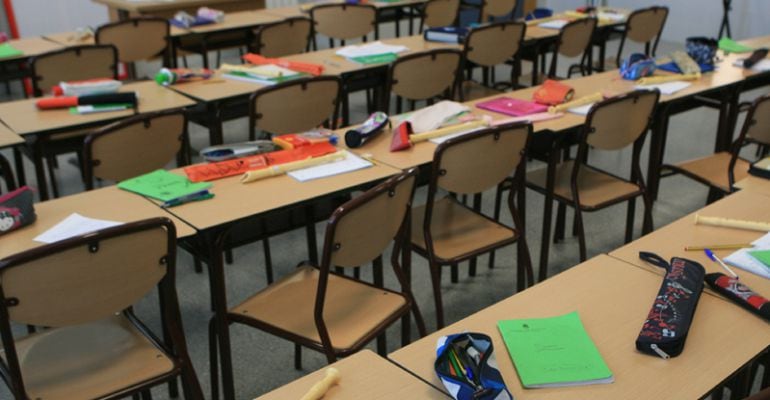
(553, 352)
(762, 256)
(163, 185)
(6, 50)
(731, 46)
(375, 58)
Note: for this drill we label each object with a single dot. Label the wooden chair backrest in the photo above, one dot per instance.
(344, 21)
(575, 37)
(617, 122)
(425, 75)
(73, 64)
(290, 36)
(495, 43)
(439, 13)
(136, 39)
(646, 24)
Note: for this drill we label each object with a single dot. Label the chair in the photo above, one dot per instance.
(644, 26)
(575, 41)
(612, 124)
(294, 106)
(69, 64)
(423, 76)
(491, 9)
(73, 64)
(446, 232)
(7, 174)
(439, 13)
(290, 36)
(137, 39)
(343, 22)
(83, 290)
(135, 146)
(330, 313)
(491, 45)
(720, 171)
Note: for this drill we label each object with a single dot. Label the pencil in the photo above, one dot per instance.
(719, 247)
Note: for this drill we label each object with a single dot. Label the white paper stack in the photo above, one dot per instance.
(74, 225)
(369, 49)
(667, 88)
(350, 163)
(743, 260)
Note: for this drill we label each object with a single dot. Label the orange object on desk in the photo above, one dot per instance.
(223, 169)
(308, 68)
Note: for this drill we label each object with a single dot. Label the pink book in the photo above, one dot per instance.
(511, 106)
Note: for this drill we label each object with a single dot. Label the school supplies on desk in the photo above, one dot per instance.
(713, 257)
(446, 34)
(467, 366)
(761, 168)
(510, 106)
(284, 168)
(372, 127)
(349, 162)
(637, 66)
(404, 137)
(731, 46)
(266, 74)
(667, 88)
(579, 102)
(98, 108)
(318, 390)
(87, 87)
(371, 53)
(223, 169)
(307, 68)
(16, 209)
(93, 100)
(172, 76)
(553, 92)
(740, 294)
(7, 51)
(74, 225)
(553, 352)
(307, 138)
(658, 79)
(744, 260)
(235, 150)
(718, 247)
(165, 186)
(554, 24)
(732, 223)
(665, 330)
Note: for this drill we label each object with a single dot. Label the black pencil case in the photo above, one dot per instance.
(665, 330)
(761, 168)
(739, 293)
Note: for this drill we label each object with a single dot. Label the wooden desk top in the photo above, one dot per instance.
(216, 89)
(69, 39)
(8, 137)
(24, 118)
(670, 240)
(30, 47)
(237, 20)
(161, 5)
(364, 375)
(109, 203)
(613, 299)
(287, 12)
(235, 200)
(754, 184)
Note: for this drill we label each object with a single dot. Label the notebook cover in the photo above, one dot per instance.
(511, 106)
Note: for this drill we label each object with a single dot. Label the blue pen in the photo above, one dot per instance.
(716, 259)
(202, 195)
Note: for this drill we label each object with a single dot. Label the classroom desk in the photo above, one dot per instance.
(8, 138)
(123, 9)
(236, 204)
(754, 184)
(109, 203)
(613, 299)
(70, 38)
(23, 118)
(15, 67)
(670, 240)
(364, 375)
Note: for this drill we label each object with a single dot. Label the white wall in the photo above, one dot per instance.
(694, 17)
(39, 17)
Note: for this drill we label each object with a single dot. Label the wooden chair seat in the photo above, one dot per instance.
(352, 308)
(712, 170)
(89, 361)
(458, 231)
(597, 189)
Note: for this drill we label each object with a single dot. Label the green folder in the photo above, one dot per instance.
(762, 256)
(731, 46)
(553, 352)
(6, 51)
(163, 185)
(375, 59)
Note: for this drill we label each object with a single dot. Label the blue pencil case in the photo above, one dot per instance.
(467, 367)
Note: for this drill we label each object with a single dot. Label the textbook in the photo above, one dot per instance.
(553, 352)
(446, 34)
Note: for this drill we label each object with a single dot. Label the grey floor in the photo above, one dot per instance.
(263, 362)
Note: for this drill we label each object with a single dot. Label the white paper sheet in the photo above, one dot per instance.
(743, 260)
(582, 110)
(351, 163)
(612, 16)
(667, 88)
(554, 24)
(74, 225)
(442, 139)
(369, 49)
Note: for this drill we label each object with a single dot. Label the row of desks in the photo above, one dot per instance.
(613, 294)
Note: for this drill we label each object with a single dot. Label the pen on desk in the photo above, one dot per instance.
(332, 64)
(734, 246)
(204, 195)
(716, 259)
